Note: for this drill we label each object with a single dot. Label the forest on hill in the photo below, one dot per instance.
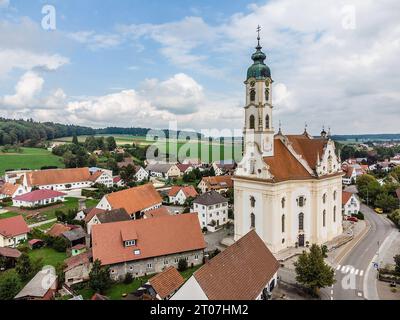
(31, 133)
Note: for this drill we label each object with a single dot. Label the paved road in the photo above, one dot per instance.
(352, 270)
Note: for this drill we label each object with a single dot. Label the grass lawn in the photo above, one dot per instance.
(70, 203)
(91, 203)
(49, 256)
(29, 158)
(8, 215)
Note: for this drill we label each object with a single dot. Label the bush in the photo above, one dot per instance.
(60, 244)
(128, 278)
(10, 285)
(182, 265)
(359, 216)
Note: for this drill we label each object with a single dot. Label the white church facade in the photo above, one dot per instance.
(287, 187)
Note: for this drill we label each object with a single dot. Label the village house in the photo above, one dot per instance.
(247, 270)
(78, 249)
(220, 184)
(38, 198)
(135, 201)
(10, 255)
(43, 286)
(179, 195)
(224, 167)
(75, 236)
(163, 170)
(212, 210)
(78, 268)
(156, 213)
(148, 246)
(185, 168)
(58, 229)
(99, 216)
(351, 204)
(9, 190)
(140, 174)
(165, 284)
(66, 179)
(13, 231)
(118, 182)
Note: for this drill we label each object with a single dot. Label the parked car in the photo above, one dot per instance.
(379, 210)
(352, 219)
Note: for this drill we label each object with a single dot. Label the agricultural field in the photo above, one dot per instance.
(207, 151)
(28, 158)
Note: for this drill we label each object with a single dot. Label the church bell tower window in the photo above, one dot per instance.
(267, 120)
(252, 122)
(253, 221)
(252, 95)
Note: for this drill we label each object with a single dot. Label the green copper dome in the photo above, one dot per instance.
(259, 70)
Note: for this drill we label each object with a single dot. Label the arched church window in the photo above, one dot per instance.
(267, 94)
(252, 95)
(253, 221)
(283, 223)
(301, 201)
(301, 221)
(252, 202)
(334, 214)
(267, 121)
(324, 218)
(324, 198)
(334, 195)
(283, 201)
(252, 122)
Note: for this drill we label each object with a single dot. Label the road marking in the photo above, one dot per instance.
(352, 270)
(338, 267)
(331, 292)
(361, 273)
(360, 294)
(331, 298)
(343, 268)
(357, 271)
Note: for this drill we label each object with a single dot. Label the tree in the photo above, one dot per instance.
(386, 202)
(312, 271)
(10, 285)
(92, 160)
(368, 187)
(111, 144)
(24, 267)
(60, 244)
(75, 139)
(397, 262)
(99, 277)
(128, 174)
(182, 265)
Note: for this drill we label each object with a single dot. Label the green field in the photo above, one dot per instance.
(203, 149)
(48, 256)
(29, 158)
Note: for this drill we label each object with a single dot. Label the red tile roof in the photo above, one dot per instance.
(155, 237)
(15, 226)
(38, 195)
(167, 282)
(346, 197)
(58, 229)
(219, 182)
(8, 189)
(10, 253)
(183, 167)
(240, 272)
(74, 261)
(92, 213)
(58, 176)
(189, 191)
(156, 213)
(284, 166)
(135, 199)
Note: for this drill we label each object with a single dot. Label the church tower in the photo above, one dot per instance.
(258, 133)
(258, 128)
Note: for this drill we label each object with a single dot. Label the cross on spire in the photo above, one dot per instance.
(258, 32)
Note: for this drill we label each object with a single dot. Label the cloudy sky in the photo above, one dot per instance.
(146, 63)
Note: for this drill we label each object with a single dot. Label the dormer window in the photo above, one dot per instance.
(130, 243)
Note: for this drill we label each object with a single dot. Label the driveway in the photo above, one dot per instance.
(213, 239)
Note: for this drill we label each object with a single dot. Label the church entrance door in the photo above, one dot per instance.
(301, 240)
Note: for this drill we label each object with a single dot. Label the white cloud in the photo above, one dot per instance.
(95, 41)
(26, 91)
(4, 3)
